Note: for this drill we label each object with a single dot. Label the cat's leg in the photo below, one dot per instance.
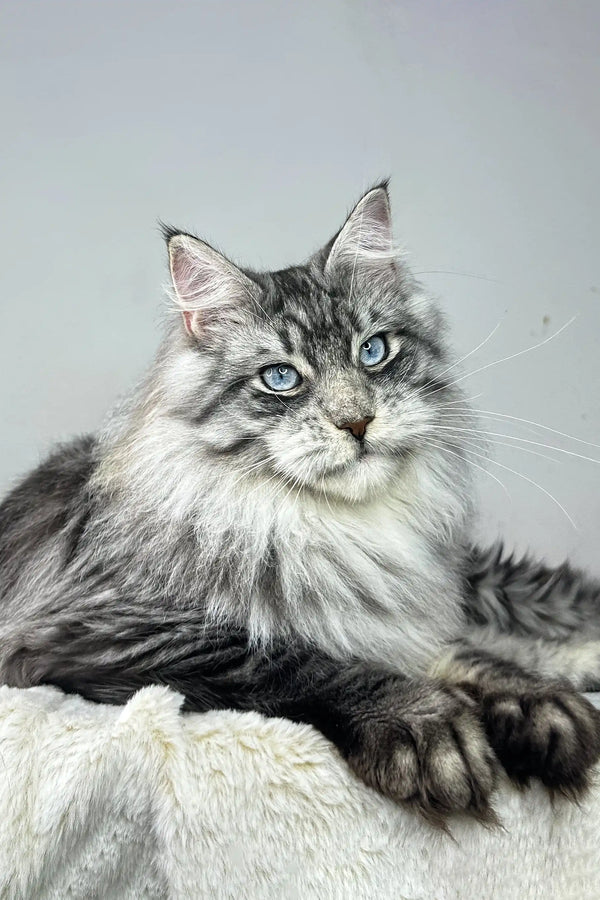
(576, 660)
(537, 727)
(415, 741)
(421, 742)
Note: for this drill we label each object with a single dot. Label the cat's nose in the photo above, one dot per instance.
(357, 429)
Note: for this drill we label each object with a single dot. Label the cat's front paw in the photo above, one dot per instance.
(548, 732)
(427, 748)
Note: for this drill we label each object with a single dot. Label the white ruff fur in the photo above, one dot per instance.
(360, 579)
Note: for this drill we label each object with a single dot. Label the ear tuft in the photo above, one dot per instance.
(206, 284)
(366, 237)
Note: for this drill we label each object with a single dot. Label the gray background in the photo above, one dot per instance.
(258, 124)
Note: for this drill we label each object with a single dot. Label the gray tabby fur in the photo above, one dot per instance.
(214, 525)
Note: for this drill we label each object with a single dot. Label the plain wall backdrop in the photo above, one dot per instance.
(257, 124)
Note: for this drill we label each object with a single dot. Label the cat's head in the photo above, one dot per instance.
(327, 375)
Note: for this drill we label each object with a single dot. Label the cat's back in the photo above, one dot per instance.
(43, 517)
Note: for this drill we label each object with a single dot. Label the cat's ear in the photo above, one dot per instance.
(206, 285)
(365, 240)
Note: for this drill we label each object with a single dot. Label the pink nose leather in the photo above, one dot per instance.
(359, 428)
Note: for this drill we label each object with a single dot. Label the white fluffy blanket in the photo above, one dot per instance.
(141, 801)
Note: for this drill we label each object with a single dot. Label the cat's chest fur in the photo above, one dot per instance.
(377, 580)
(366, 583)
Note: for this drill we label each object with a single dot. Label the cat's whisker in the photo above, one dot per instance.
(512, 471)
(295, 484)
(265, 313)
(570, 437)
(473, 436)
(446, 449)
(262, 484)
(457, 404)
(253, 468)
(498, 362)
(482, 443)
(456, 410)
(467, 355)
(516, 437)
(452, 404)
(324, 493)
(461, 274)
(282, 402)
(530, 480)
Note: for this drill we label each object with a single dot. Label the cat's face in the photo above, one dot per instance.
(324, 376)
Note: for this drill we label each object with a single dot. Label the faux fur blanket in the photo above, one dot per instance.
(143, 802)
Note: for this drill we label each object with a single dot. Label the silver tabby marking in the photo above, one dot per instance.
(245, 547)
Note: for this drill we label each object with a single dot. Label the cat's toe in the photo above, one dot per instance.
(457, 769)
(438, 760)
(552, 734)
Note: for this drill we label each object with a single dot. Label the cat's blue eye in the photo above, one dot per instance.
(280, 378)
(373, 351)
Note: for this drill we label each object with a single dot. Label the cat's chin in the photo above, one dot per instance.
(361, 480)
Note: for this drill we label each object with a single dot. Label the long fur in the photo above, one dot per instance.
(244, 547)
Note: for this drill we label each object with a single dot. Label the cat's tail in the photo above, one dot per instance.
(542, 617)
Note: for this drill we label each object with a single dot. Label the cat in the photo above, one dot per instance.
(274, 521)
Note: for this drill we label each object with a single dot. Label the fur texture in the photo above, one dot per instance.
(245, 547)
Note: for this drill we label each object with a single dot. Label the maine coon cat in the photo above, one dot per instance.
(274, 521)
